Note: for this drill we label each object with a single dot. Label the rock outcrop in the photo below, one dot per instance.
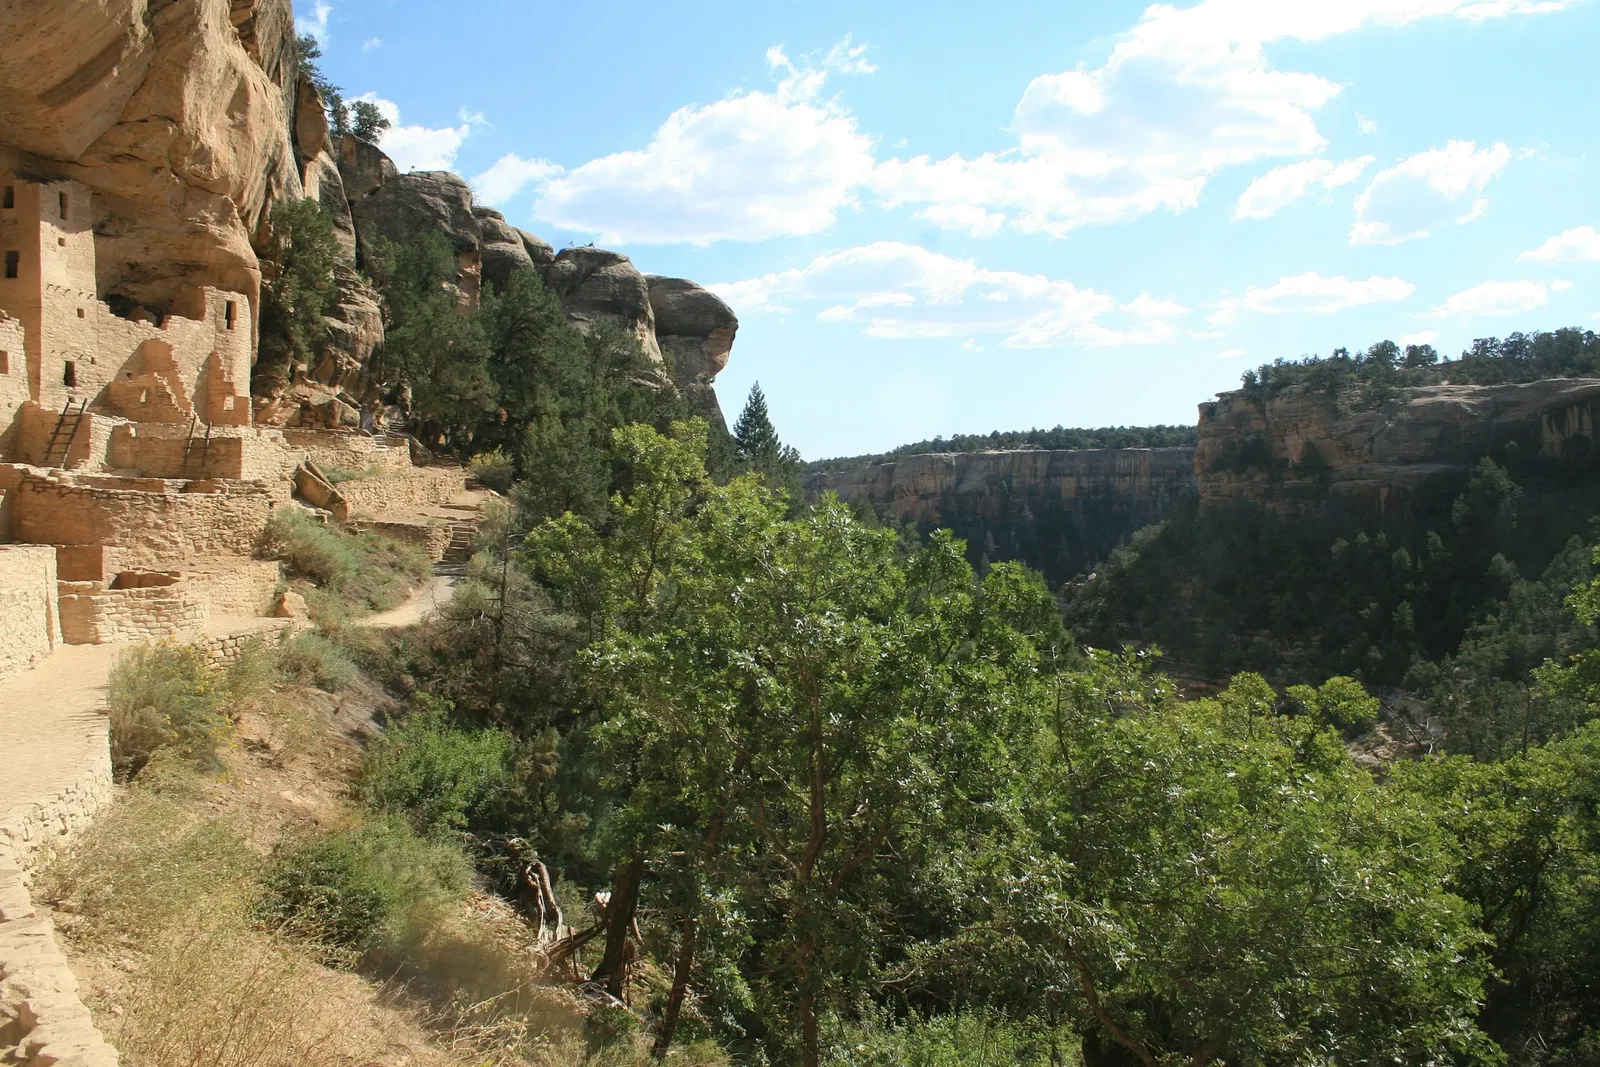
(1307, 452)
(177, 115)
(695, 330)
(190, 119)
(1057, 511)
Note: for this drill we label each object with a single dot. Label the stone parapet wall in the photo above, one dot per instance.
(28, 606)
(97, 616)
(348, 450)
(146, 521)
(223, 649)
(415, 487)
(238, 588)
(434, 537)
(237, 453)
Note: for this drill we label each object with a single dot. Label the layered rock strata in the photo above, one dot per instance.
(1058, 511)
(1308, 452)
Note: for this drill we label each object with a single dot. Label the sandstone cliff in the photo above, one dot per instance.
(1305, 451)
(189, 119)
(1057, 511)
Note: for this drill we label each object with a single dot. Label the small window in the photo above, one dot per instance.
(69, 375)
(62, 200)
(5, 362)
(8, 196)
(13, 261)
(230, 312)
(227, 401)
(62, 241)
(80, 313)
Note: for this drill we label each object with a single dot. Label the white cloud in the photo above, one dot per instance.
(1493, 298)
(1311, 293)
(1183, 95)
(472, 118)
(1232, 353)
(509, 175)
(1581, 244)
(1282, 186)
(370, 43)
(1421, 337)
(897, 290)
(1365, 125)
(1560, 285)
(1426, 191)
(417, 147)
(751, 166)
(317, 24)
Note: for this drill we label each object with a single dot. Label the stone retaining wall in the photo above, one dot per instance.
(28, 610)
(92, 615)
(434, 537)
(43, 1022)
(413, 487)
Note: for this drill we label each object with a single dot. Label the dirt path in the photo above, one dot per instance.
(424, 602)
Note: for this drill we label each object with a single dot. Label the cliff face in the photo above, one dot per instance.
(190, 119)
(1060, 512)
(1304, 452)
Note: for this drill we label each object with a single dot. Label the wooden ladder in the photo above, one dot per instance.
(61, 438)
(188, 448)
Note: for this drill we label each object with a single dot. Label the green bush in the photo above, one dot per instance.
(308, 658)
(350, 571)
(353, 890)
(494, 470)
(164, 696)
(961, 1039)
(440, 777)
(335, 475)
(1340, 703)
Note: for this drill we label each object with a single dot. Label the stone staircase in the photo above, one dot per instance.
(459, 551)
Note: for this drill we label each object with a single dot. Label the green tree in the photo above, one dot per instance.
(1209, 882)
(367, 122)
(757, 445)
(310, 50)
(296, 287)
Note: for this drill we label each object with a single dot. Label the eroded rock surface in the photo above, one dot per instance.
(1060, 511)
(1305, 450)
(695, 330)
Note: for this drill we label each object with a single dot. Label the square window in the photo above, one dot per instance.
(80, 313)
(62, 241)
(13, 261)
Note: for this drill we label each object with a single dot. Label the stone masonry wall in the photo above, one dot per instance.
(348, 450)
(28, 606)
(417, 487)
(147, 523)
(95, 616)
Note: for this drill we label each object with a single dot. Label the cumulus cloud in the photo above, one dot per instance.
(1311, 293)
(1185, 94)
(1282, 186)
(1581, 244)
(417, 147)
(1493, 298)
(1426, 191)
(748, 167)
(317, 24)
(509, 175)
(897, 290)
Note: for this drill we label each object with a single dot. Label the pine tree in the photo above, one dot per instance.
(754, 434)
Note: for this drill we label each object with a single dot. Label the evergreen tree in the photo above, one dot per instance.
(296, 288)
(754, 434)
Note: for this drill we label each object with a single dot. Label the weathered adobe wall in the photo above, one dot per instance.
(1305, 452)
(145, 521)
(28, 606)
(94, 615)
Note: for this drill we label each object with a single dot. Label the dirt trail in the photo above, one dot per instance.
(424, 602)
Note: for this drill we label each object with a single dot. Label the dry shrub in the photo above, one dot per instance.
(164, 696)
(216, 993)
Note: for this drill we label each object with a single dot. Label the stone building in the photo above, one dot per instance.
(190, 361)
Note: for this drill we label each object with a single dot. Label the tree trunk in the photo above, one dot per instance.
(810, 1041)
(620, 911)
(680, 989)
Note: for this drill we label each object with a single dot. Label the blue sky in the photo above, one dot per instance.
(951, 217)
